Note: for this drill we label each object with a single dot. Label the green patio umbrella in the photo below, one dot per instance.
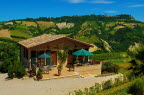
(44, 56)
(82, 52)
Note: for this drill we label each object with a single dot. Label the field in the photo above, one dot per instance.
(28, 23)
(20, 34)
(43, 24)
(5, 33)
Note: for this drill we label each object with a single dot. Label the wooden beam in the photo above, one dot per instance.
(29, 59)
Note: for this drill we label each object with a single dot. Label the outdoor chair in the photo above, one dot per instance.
(41, 67)
(44, 69)
(47, 68)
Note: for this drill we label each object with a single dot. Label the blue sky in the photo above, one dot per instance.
(19, 9)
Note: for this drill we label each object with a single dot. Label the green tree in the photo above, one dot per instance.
(137, 60)
(8, 51)
(137, 88)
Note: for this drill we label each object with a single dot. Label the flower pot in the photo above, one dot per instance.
(59, 72)
(70, 69)
(39, 77)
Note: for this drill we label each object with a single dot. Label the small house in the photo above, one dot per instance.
(49, 44)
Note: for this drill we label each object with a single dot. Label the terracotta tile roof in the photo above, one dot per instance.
(47, 38)
(39, 40)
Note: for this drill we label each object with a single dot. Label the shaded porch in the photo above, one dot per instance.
(53, 60)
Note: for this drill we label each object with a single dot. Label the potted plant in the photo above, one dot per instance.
(62, 56)
(70, 67)
(39, 74)
(59, 67)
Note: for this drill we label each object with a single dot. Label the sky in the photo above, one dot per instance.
(20, 9)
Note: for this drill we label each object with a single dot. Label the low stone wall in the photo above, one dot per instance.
(88, 68)
(60, 77)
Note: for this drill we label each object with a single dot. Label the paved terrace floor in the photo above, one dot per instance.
(54, 72)
(65, 72)
(49, 87)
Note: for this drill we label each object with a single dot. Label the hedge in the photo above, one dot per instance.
(106, 56)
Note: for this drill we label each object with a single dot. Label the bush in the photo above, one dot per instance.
(10, 71)
(9, 51)
(137, 88)
(16, 69)
(4, 66)
(115, 68)
(79, 92)
(119, 90)
(107, 84)
(117, 81)
(39, 72)
(19, 70)
(88, 91)
(107, 56)
(109, 67)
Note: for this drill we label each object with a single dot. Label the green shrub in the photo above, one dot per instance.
(39, 72)
(115, 68)
(88, 91)
(107, 56)
(4, 66)
(119, 90)
(8, 54)
(120, 80)
(137, 88)
(107, 84)
(19, 70)
(109, 67)
(97, 87)
(78, 92)
(16, 69)
(10, 71)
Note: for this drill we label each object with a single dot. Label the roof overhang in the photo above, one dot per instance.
(67, 38)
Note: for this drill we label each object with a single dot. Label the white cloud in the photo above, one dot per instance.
(101, 1)
(136, 6)
(89, 1)
(110, 11)
(76, 1)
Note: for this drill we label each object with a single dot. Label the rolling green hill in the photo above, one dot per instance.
(109, 33)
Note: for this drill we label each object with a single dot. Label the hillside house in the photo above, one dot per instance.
(31, 48)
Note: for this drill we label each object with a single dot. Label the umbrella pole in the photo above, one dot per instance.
(77, 58)
(83, 59)
(40, 62)
(45, 61)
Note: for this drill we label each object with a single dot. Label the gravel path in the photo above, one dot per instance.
(49, 87)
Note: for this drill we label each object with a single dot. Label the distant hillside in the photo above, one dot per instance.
(108, 33)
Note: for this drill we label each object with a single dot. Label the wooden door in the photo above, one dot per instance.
(48, 59)
(40, 61)
(70, 57)
(54, 57)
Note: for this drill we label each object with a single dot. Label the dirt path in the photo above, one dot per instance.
(49, 87)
